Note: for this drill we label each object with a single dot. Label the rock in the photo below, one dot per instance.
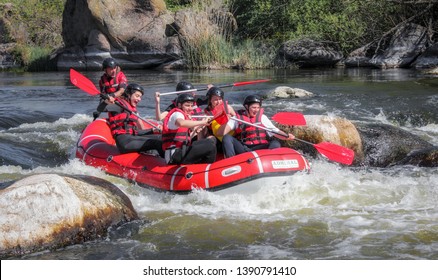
(397, 51)
(433, 71)
(48, 211)
(307, 53)
(288, 92)
(376, 145)
(428, 59)
(133, 32)
(404, 47)
(361, 57)
(427, 157)
(7, 60)
(386, 145)
(336, 130)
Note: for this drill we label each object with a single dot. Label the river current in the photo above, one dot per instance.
(334, 212)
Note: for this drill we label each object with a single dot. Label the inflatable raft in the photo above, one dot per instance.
(96, 147)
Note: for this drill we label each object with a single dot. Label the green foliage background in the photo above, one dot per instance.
(348, 24)
(36, 26)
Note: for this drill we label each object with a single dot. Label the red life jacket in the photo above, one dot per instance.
(197, 110)
(251, 135)
(109, 84)
(124, 122)
(175, 137)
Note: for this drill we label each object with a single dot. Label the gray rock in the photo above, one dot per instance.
(428, 59)
(386, 145)
(288, 92)
(133, 32)
(307, 53)
(49, 211)
(404, 47)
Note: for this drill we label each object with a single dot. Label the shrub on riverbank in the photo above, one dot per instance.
(35, 26)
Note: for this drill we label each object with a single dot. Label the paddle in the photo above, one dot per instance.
(83, 82)
(329, 150)
(219, 86)
(87, 85)
(285, 118)
(289, 118)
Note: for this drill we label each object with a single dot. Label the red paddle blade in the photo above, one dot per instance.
(83, 82)
(335, 152)
(289, 118)
(219, 114)
(250, 82)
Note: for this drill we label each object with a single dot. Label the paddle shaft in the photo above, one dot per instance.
(219, 86)
(281, 133)
(331, 151)
(87, 85)
(137, 115)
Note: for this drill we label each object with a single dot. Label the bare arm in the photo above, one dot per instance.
(157, 107)
(223, 130)
(231, 111)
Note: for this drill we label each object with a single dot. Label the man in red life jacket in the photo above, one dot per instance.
(181, 86)
(112, 83)
(249, 138)
(127, 129)
(177, 135)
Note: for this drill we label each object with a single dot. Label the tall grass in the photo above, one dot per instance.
(213, 46)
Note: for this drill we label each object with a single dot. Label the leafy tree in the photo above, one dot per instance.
(345, 23)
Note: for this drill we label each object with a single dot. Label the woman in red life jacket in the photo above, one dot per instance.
(127, 129)
(181, 86)
(177, 135)
(249, 138)
(216, 103)
(112, 83)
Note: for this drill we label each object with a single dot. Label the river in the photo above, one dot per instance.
(332, 213)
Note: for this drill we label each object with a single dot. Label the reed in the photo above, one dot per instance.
(34, 58)
(213, 45)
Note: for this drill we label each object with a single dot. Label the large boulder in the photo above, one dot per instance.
(428, 59)
(307, 53)
(398, 50)
(48, 211)
(320, 128)
(131, 31)
(386, 145)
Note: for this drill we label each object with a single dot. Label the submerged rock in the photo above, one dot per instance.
(49, 211)
(288, 92)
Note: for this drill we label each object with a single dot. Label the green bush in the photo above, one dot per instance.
(346, 23)
(37, 31)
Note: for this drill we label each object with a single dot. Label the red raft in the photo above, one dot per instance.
(244, 172)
